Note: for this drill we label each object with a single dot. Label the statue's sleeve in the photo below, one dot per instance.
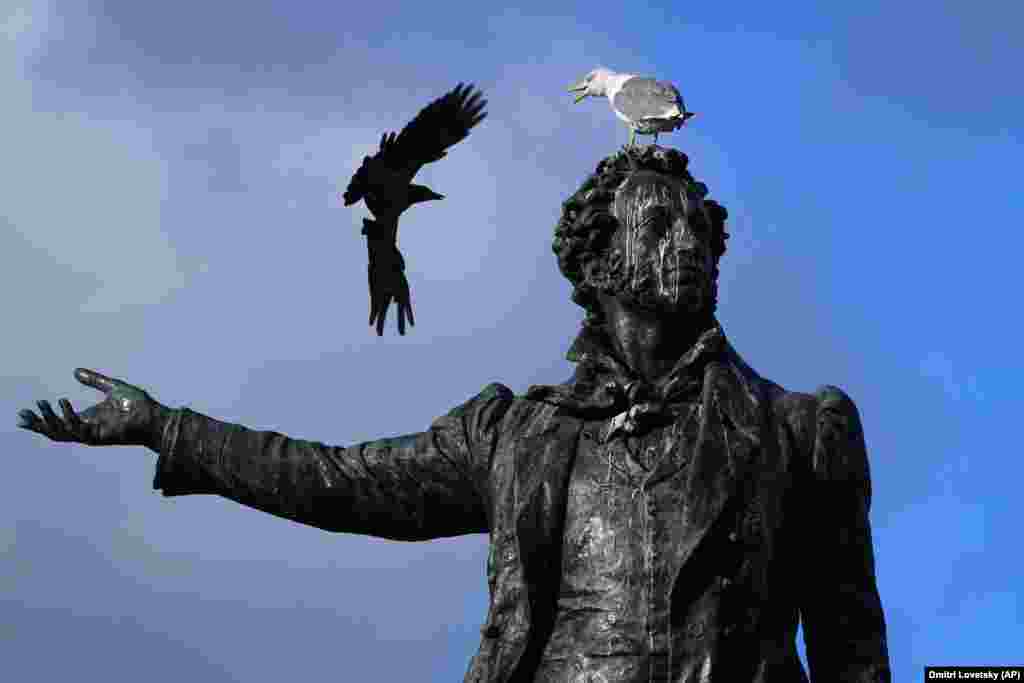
(844, 627)
(413, 487)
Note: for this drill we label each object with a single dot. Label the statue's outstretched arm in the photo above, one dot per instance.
(413, 487)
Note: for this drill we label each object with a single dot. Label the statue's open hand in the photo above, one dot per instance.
(127, 416)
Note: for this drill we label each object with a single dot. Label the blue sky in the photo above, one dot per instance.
(170, 217)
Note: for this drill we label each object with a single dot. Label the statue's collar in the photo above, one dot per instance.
(593, 347)
(603, 385)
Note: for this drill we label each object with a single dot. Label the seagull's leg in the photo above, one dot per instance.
(632, 137)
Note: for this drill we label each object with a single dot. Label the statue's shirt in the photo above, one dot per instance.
(614, 611)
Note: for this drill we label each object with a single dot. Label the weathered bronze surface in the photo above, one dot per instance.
(664, 515)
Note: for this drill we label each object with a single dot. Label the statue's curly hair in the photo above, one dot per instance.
(588, 220)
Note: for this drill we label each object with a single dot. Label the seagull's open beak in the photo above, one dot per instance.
(580, 89)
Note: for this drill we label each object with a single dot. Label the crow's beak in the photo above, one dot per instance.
(580, 89)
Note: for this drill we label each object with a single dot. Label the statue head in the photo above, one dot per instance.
(640, 230)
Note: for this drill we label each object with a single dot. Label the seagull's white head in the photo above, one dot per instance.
(594, 84)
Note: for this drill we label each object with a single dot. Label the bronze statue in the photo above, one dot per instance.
(664, 515)
(384, 182)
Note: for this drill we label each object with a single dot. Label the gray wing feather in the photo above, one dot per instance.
(642, 98)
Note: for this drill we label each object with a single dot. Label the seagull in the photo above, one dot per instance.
(384, 183)
(645, 104)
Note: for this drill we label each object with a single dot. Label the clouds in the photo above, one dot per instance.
(28, 27)
(215, 161)
(88, 194)
(81, 205)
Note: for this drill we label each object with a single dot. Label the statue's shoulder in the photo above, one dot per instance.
(802, 411)
(788, 406)
(496, 391)
(798, 411)
(840, 453)
(483, 409)
(826, 426)
(496, 408)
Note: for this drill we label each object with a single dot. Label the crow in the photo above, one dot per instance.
(384, 183)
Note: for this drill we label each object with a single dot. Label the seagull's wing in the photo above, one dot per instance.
(386, 275)
(644, 98)
(441, 124)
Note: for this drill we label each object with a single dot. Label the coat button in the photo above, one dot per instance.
(733, 536)
(510, 554)
(724, 581)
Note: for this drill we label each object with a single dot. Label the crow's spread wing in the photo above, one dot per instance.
(441, 124)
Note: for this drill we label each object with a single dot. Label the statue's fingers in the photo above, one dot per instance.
(71, 418)
(29, 420)
(91, 378)
(401, 317)
(54, 425)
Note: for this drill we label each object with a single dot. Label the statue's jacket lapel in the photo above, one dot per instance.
(529, 479)
(728, 436)
(529, 486)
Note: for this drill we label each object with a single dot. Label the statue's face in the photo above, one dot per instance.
(662, 260)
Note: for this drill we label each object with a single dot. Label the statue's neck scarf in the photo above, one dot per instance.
(604, 386)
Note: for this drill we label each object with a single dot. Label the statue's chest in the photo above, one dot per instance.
(613, 484)
(623, 522)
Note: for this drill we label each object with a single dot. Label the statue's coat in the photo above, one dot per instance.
(777, 503)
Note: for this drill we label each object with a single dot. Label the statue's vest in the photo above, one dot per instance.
(529, 493)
